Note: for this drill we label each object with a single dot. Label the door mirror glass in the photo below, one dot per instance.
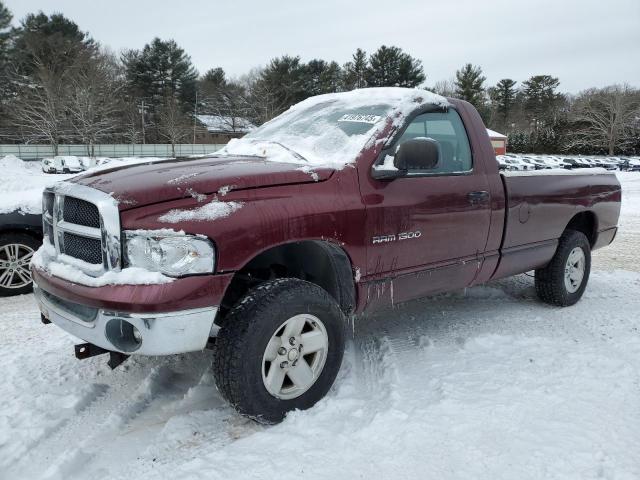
(418, 155)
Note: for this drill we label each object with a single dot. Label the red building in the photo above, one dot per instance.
(498, 142)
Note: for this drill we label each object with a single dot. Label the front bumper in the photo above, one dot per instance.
(131, 333)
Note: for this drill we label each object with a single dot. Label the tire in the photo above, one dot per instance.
(240, 367)
(552, 286)
(16, 250)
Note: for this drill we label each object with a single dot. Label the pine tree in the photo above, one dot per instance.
(5, 32)
(5, 37)
(161, 68)
(470, 85)
(282, 84)
(321, 77)
(355, 71)
(541, 99)
(503, 95)
(54, 43)
(391, 67)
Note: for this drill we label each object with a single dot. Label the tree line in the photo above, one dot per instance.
(59, 85)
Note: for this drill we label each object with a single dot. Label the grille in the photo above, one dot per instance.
(81, 212)
(87, 249)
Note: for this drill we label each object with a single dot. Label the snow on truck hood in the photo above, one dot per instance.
(146, 183)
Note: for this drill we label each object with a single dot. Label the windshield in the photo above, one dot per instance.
(331, 130)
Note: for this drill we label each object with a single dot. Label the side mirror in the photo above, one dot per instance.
(416, 154)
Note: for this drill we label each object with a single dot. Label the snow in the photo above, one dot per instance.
(22, 183)
(486, 383)
(210, 211)
(331, 130)
(494, 134)
(69, 269)
(225, 189)
(387, 164)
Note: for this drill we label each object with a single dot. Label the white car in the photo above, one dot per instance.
(62, 164)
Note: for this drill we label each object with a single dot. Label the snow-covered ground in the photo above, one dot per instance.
(487, 383)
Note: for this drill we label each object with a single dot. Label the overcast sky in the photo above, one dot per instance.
(583, 42)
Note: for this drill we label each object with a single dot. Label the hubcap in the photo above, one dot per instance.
(574, 270)
(14, 265)
(295, 356)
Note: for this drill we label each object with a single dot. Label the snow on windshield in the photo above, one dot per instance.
(331, 130)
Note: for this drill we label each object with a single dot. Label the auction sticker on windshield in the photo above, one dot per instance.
(359, 117)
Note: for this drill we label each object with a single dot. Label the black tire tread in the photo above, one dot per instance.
(549, 281)
(229, 355)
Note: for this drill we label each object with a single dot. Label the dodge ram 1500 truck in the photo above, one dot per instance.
(344, 204)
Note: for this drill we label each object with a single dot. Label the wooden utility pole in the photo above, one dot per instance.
(195, 116)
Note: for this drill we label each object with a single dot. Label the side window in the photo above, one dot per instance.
(447, 129)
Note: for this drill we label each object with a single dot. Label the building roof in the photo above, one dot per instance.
(494, 134)
(223, 124)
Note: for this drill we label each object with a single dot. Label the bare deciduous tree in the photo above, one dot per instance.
(605, 118)
(173, 124)
(92, 104)
(40, 110)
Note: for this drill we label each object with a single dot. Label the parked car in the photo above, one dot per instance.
(267, 247)
(62, 164)
(20, 237)
(633, 165)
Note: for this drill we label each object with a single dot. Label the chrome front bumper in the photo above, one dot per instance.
(131, 333)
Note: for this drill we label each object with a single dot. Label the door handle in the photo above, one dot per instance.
(478, 198)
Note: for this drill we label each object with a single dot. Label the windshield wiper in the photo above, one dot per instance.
(290, 150)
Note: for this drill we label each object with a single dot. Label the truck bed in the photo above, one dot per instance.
(540, 204)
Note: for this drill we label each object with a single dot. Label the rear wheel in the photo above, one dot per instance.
(16, 250)
(279, 349)
(563, 281)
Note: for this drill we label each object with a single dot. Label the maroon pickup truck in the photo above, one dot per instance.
(345, 204)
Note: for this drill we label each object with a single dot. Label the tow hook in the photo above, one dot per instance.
(88, 350)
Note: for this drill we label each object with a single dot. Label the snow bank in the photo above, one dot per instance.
(21, 185)
(210, 211)
(314, 131)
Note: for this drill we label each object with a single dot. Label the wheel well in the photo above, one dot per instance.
(586, 223)
(319, 262)
(31, 232)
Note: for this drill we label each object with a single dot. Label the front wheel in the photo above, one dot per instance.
(563, 281)
(279, 349)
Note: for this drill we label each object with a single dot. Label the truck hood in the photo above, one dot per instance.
(140, 184)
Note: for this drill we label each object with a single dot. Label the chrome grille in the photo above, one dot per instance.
(86, 249)
(83, 223)
(80, 212)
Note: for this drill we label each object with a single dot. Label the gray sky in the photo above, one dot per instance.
(583, 42)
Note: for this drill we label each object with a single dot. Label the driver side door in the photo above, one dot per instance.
(427, 230)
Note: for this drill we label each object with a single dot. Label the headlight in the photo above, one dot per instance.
(174, 255)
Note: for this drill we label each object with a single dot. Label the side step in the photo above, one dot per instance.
(88, 350)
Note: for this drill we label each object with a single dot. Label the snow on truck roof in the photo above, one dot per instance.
(331, 130)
